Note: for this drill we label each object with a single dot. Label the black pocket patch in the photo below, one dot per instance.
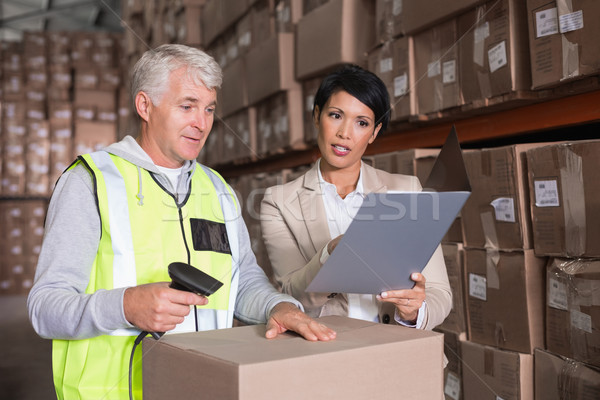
(209, 236)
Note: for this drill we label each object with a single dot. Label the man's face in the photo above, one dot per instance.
(178, 126)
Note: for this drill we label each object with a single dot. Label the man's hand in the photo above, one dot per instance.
(286, 316)
(407, 301)
(155, 307)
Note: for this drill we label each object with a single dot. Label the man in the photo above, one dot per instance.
(119, 216)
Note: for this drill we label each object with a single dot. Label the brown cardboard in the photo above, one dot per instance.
(565, 200)
(453, 370)
(239, 363)
(389, 21)
(497, 213)
(279, 122)
(436, 69)
(557, 378)
(270, 65)
(415, 19)
(309, 91)
(494, 51)
(573, 309)
(557, 52)
(233, 95)
(505, 298)
(491, 374)
(403, 95)
(456, 321)
(339, 31)
(90, 136)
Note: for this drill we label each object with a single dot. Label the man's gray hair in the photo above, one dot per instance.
(151, 73)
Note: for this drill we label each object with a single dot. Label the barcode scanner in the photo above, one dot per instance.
(183, 277)
(187, 278)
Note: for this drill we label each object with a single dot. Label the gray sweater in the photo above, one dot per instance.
(58, 306)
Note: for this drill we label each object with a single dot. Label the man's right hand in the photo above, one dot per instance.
(155, 307)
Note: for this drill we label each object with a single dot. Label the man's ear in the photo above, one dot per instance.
(375, 133)
(143, 105)
(316, 116)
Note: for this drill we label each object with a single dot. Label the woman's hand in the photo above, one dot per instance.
(407, 301)
(333, 243)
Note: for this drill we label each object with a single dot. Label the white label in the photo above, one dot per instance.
(385, 65)
(310, 100)
(482, 32)
(400, 85)
(449, 72)
(546, 193)
(499, 398)
(557, 295)
(245, 39)
(397, 8)
(452, 387)
(581, 321)
(546, 22)
(478, 287)
(571, 22)
(504, 208)
(497, 56)
(434, 69)
(33, 114)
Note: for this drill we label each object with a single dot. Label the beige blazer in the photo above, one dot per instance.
(295, 231)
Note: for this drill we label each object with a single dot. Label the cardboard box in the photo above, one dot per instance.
(557, 378)
(494, 51)
(279, 120)
(233, 95)
(309, 91)
(415, 20)
(389, 22)
(92, 135)
(453, 371)
(437, 69)
(456, 321)
(563, 38)
(573, 309)
(565, 199)
(239, 136)
(491, 374)
(337, 32)
(270, 66)
(505, 298)
(239, 363)
(403, 95)
(497, 213)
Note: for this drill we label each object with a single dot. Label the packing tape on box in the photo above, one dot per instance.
(499, 336)
(573, 195)
(491, 250)
(567, 379)
(570, 51)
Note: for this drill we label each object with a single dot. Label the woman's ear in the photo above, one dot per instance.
(143, 105)
(375, 133)
(316, 116)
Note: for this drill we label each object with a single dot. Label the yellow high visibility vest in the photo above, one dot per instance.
(139, 240)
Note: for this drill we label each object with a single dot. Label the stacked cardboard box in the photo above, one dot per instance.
(22, 227)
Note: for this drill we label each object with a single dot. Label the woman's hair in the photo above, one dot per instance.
(151, 73)
(360, 83)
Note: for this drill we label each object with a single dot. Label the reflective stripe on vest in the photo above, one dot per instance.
(136, 249)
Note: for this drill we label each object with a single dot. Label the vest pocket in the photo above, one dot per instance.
(209, 236)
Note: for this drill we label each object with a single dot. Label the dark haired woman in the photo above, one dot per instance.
(302, 220)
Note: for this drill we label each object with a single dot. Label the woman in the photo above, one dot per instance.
(303, 220)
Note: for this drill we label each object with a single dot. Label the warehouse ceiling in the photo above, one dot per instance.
(17, 16)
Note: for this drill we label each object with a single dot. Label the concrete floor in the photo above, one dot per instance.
(25, 358)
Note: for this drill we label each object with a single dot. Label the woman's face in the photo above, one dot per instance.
(346, 127)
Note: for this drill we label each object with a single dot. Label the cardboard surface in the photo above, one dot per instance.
(573, 309)
(492, 374)
(456, 321)
(497, 213)
(557, 378)
(494, 51)
(565, 199)
(505, 299)
(239, 363)
(563, 38)
(336, 32)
